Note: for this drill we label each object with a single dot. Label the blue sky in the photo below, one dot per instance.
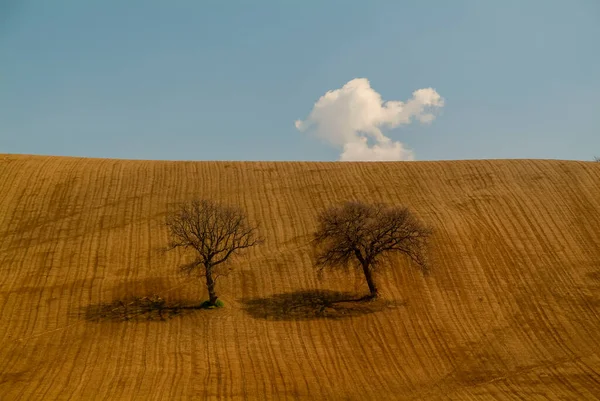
(226, 80)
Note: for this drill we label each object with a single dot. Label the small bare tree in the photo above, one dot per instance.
(355, 231)
(214, 231)
(597, 158)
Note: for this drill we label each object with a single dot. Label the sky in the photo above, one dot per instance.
(305, 80)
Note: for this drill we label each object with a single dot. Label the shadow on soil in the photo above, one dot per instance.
(314, 304)
(152, 308)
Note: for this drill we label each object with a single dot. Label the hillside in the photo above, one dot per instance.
(511, 309)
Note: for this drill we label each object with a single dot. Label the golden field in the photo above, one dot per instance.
(510, 310)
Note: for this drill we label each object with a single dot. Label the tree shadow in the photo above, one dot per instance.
(150, 308)
(314, 304)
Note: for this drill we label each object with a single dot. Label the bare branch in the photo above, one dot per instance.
(214, 231)
(355, 231)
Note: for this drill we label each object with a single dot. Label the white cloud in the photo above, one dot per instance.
(388, 151)
(349, 116)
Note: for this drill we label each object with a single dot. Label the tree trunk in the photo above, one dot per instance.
(370, 282)
(210, 285)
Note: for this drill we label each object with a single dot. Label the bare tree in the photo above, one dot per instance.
(214, 231)
(597, 158)
(355, 231)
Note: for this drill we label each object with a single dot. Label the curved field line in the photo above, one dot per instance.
(509, 311)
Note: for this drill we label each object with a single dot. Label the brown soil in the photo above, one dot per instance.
(511, 309)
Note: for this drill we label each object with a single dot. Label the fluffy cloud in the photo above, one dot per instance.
(354, 114)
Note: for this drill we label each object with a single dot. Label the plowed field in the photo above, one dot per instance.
(510, 310)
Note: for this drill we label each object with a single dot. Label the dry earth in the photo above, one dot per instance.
(510, 311)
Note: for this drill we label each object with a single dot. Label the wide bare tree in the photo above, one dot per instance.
(365, 233)
(214, 231)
